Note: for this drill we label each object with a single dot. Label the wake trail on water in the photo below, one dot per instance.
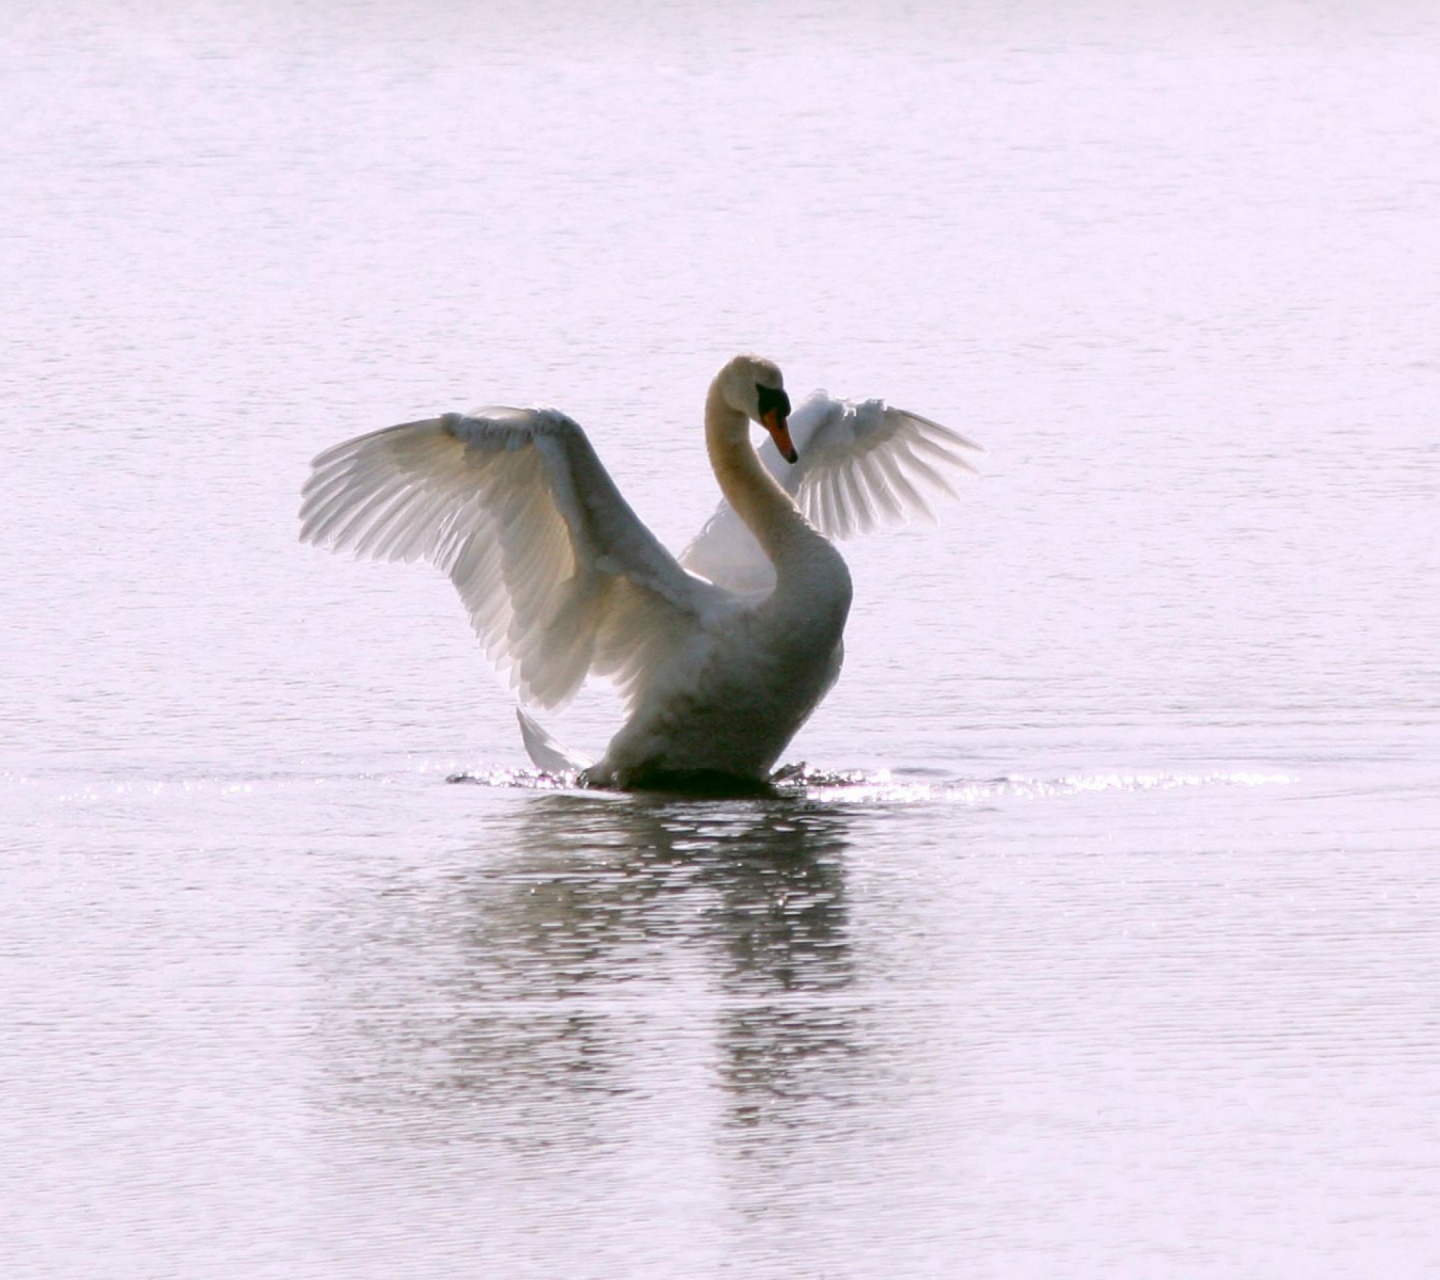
(884, 786)
(38, 793)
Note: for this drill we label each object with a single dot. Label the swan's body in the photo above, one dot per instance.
(563, 581)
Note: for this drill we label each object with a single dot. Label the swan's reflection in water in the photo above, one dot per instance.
(597, 965)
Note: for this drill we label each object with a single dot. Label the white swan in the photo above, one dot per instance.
(563, 581)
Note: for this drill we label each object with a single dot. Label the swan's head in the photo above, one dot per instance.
(754, 387)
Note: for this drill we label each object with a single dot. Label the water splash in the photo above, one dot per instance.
(517, 779)
(881, 786)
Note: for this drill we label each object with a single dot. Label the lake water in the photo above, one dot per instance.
(1109, 946)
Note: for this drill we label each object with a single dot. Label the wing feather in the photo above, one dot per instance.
(560, 578)
(848, 484)
(863, 465)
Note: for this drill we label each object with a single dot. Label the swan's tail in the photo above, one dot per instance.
(544, 752)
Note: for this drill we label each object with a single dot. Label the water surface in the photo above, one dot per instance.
(1100, 940)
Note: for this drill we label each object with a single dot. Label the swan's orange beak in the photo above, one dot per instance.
(779, 428)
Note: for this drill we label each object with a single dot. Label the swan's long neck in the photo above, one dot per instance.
(787, 538)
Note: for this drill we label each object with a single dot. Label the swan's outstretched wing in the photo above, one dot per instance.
(862, 465)
(560, 577)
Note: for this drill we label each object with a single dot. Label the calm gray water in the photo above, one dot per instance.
(1110, 950)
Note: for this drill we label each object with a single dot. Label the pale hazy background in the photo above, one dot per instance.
(1118, 958)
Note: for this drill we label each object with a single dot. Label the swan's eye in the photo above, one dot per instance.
(772, 398)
